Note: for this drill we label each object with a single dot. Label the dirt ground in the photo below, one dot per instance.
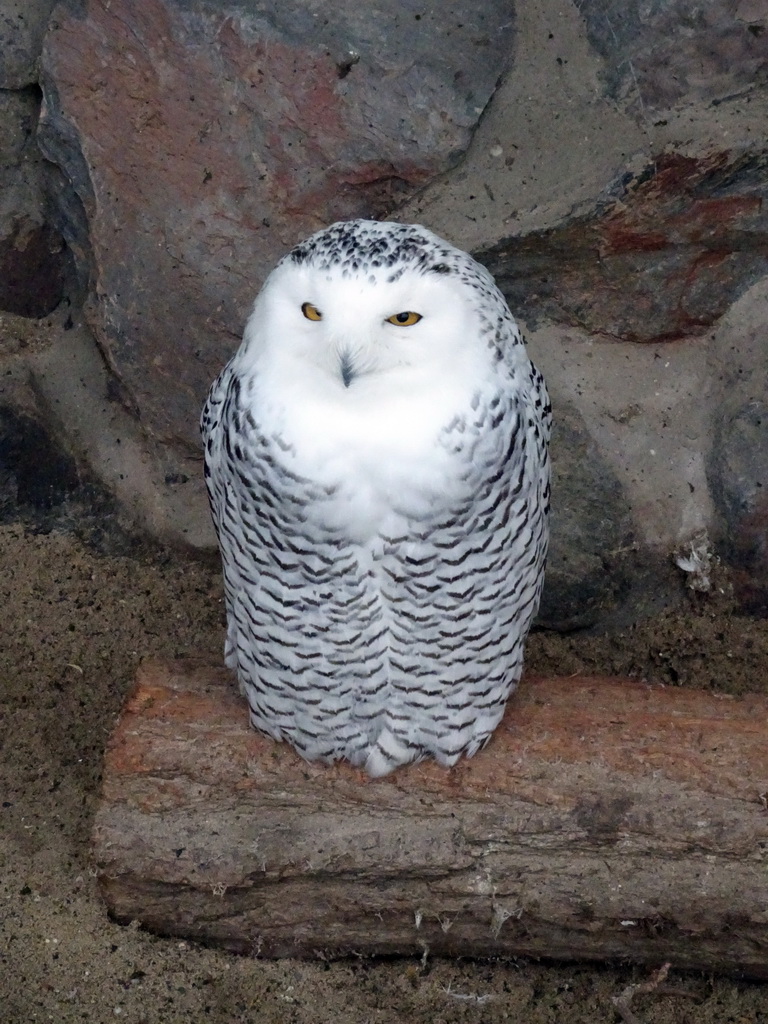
(77, 622)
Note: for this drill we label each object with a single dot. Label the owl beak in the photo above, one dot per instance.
(346, 367)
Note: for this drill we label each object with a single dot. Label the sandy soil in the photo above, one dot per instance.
(77, 623)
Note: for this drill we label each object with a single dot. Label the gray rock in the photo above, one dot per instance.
(659, 52)
(647, 410)
(155, 491)
(22, 26)
(18, 117)
(738, 460)
(739, 475)
(591, 531)
(35, 266)
(35, 473)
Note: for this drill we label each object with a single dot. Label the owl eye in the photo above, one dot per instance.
(311, 312)
(405, 319)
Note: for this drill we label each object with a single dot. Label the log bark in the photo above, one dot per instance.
(606, 820)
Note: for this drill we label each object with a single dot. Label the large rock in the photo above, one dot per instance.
(635, 231)
(204, 139)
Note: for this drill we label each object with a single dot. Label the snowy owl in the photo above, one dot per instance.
(376, 461)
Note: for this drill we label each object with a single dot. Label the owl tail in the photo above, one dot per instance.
(389, 753)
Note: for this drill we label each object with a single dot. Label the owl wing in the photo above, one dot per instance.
(215, 424)
(541, 403)
(303, 617)
(462, 587)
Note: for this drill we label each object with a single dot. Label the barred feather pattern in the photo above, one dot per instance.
(406, 642)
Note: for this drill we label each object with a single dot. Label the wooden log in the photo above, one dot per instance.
(606, 820)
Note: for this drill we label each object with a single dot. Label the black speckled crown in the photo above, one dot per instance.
(364, 245)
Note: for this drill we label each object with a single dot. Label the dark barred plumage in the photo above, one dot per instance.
(383, 518)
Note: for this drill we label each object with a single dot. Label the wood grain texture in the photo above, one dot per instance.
(606, 820)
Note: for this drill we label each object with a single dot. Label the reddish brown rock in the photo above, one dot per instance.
(663, 260)
(204, 142)
(606, 819)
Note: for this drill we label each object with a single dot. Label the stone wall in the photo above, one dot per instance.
(607, 161)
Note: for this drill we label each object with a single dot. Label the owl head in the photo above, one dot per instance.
(369, 304)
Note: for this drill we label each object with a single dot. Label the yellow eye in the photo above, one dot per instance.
(405, 319)
(311, 312)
